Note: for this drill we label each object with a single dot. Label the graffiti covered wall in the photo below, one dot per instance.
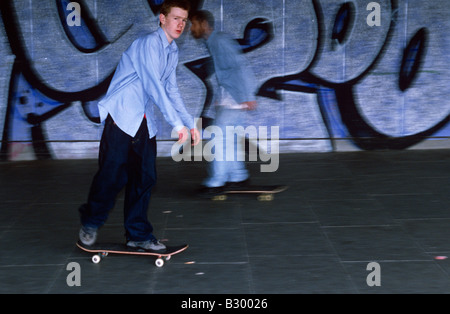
(332, 75)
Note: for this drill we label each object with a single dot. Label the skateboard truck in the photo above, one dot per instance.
(159, 262)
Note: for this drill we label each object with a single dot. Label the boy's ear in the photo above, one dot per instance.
(162, 18)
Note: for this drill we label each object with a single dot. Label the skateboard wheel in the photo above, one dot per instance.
(219, 198)
(159, 262)
(265, 198)
(96, 259)
(167, 258)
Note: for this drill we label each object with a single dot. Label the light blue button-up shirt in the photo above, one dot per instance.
(146, 75)
(232, 70)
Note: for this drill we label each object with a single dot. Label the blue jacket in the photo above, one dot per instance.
(232, 70)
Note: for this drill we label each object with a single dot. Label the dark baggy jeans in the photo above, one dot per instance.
(129, 162)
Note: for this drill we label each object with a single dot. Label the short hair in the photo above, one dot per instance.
(169, 4)
(203, 15)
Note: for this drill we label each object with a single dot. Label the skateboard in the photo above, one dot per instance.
(102, 250)
(264, 192)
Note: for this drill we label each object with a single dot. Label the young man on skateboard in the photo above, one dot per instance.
(235, 95)
(145, 76)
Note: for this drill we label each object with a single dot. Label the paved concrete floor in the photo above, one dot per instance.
(341, 212)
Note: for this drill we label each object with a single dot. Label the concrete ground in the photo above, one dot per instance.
(341, 212)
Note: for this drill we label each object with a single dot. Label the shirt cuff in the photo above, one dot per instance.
(179, 128)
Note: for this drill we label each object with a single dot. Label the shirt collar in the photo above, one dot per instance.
(172, 47)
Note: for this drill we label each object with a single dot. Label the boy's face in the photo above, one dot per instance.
(174, 23)
(197, 29)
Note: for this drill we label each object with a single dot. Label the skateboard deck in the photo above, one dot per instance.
(102, 250)
(264, 192)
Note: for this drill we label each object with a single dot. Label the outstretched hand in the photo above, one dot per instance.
(250, 105)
